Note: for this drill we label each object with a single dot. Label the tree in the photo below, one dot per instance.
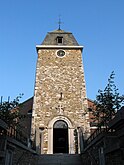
(9, 111)
(108, 101)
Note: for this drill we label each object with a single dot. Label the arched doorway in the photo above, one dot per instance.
(60, 137)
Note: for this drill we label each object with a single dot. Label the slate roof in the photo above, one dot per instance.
(68, 38)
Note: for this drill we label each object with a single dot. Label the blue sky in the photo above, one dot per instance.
(98, 25)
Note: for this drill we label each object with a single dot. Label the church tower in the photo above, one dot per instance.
(59, 118)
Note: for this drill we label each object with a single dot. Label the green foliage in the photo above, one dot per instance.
(9, 111)
(108, 101)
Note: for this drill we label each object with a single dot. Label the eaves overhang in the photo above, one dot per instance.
(57, 47)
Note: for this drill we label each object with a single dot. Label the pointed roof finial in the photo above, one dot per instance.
(59, 22)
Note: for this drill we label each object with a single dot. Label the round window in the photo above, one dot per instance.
(60, 53)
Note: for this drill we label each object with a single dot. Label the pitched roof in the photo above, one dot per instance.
(68, 38)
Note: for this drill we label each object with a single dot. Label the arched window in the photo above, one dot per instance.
(60, 124)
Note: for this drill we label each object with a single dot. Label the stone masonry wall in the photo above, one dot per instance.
(59, 89)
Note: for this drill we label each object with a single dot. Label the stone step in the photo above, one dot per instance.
(59, 164)
(59, 159)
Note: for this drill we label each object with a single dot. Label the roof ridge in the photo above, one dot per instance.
(59, 31)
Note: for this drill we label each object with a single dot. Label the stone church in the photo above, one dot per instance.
(59, 118)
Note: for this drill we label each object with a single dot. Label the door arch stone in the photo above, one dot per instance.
(70, 134)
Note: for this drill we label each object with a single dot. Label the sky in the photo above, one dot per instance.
(98, 25)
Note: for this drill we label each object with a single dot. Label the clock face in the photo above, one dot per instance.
(60, 53)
